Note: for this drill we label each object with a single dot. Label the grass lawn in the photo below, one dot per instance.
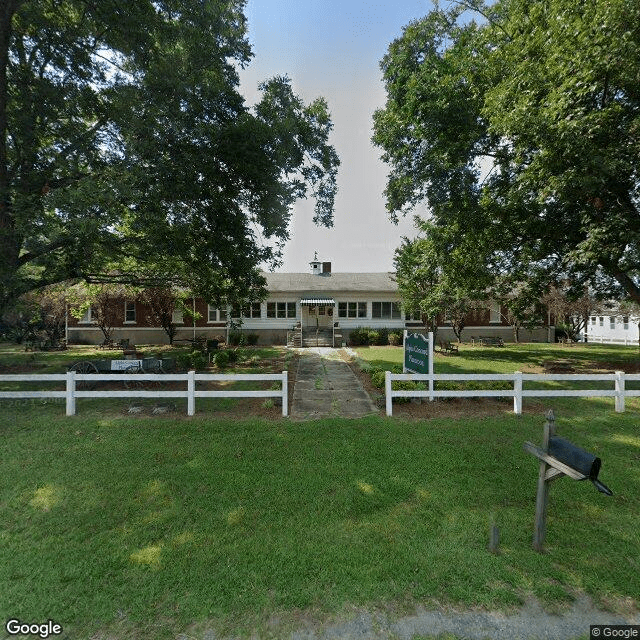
(146, 527)
(121, 527)
(525, 357)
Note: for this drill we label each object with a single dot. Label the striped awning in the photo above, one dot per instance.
(312, 302)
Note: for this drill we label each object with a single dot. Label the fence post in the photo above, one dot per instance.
(191, 392)
(387, 392)
(285, 394)
(517, 392)
(620, 388)
(71, 393)
(431, 354)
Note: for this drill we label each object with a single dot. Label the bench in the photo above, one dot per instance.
(491, 341)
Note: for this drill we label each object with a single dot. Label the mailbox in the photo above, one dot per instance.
(570, 454)
(577, 458)
(559, 457)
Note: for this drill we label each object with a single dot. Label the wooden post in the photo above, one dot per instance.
(191, 393)
(620, 389)
(387, 392)
(285, 394)
(543, 487)
(517, 393)
(71, 393)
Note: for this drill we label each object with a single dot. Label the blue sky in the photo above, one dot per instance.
(332, 48)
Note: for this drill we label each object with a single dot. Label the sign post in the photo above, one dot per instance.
(418, 356)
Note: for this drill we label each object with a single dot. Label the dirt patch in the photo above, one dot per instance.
(22, 367)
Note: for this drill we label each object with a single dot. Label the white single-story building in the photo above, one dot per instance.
(612, 328)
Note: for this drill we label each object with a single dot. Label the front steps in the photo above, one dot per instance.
(314, 338)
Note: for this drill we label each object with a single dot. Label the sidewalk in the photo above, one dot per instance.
(327, 387)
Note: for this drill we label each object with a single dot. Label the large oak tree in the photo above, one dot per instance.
(128, 153)
(519, 124)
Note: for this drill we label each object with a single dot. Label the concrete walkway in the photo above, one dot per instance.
(326, 386)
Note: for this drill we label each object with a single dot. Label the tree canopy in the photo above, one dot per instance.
(521, 127)
(128, 153)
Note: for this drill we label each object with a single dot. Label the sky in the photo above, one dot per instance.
(333, 48)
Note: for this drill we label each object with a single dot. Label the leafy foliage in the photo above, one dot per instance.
(521, 132)
(127, 153)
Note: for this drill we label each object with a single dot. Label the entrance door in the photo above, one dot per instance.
(320, 317)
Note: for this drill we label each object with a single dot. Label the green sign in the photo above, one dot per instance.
(417, 353)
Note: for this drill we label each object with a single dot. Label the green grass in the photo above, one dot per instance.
(148, 526)
(509, 358)
(527, 357)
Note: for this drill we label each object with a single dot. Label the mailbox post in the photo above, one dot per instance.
(559, 457)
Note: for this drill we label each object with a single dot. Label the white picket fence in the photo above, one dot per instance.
(617, 390)
(71, 393)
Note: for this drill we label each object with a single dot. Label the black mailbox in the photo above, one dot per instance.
(577, 458)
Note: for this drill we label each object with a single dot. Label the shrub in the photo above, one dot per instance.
(373, 337)
(252, 339)
(359, 336)
(233, 355)
(221, 358)
(192, 360)
(395, 338)
(377, 379)
(383, 337)
(237, 338)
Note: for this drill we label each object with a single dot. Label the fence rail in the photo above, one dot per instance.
(607, 340)
(71, 393)
(618, 379)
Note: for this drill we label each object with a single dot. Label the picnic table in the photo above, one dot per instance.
(448, 347)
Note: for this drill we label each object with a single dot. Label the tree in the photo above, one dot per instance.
(523, 124)
(161, 304)
(127, 153)
(571, 309)
(436, 277)
(105, 303)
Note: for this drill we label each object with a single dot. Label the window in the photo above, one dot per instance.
(216, 315)
(352, 309)
(281, 309)
(250, 311)
(612, 322)
(129, 311)
(385, 310)
(602, 321)
(625, 321)
(494, 312)
(593, 320)
(88, 315)
(176, 316)
(413, 316)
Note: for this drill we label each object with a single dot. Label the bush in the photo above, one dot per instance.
(377, 379)
(233, 355)
(395, 338)
(359, 337)
(383, 337)
(221, 358)
(191, 360)
(252, 339)
(373, 337)
(237, 339)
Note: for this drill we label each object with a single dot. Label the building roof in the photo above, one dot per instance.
(348, 282)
